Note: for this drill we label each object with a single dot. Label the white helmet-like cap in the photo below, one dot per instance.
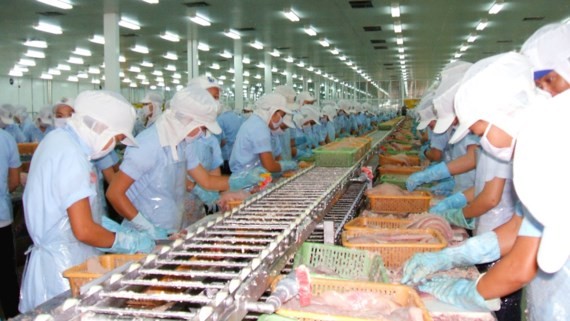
(286, 91)
(344, 105)
(268, 104)
(329, 110)
(495, 89)
(45, 116)
(204, 82)
(196, 107)
(445, 93)
(6, 117)
(549, 49)
(304, 96)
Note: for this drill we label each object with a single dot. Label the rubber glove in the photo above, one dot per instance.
(208, 197)
(456, 200)
(459, 292)
(247, 178)
(445, 187)
(131, 241)
(480, 249)
(288, 165)
(111, 225)
(430, 174)
(423, 150)
(456, 217)
(142, 224)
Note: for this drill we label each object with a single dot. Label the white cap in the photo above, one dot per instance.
(542, 188)
(495, 89)
(329, 110)
(427, 114)
(268, 104)
(304, 96)
(344, 105)
(152, 97)
(45, 116)
(64, 102)
(6, 114)
(445, 93)
(204, 82)
(311, 113)
(286, 91)
(197, 107)
(549, 49)
(288, 121)
(110, 109)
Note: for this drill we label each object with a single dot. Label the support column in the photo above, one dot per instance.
(111, 47)
(238, 75)
(192, 55)
(268, 76)
(305, 83)
(289, 77)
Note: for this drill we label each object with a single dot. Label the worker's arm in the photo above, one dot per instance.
(269, 163)
(489, 197)
(85, 229)
(464, 163)
(507, 234)
(13, 178)
(469, 194)
(207, 181)
(117, 195)
(216, 172)
(434, 154)
(108, 174)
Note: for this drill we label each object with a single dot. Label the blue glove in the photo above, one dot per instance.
(456, 217)
(459, 292)
(111, 225)
(142, 224)
(430, 174)
(247, 178)
(208, 197)
(423, 150)
(131, 241)
(456, 200)
(480, 249)
(300, 140)
(444, 188)
(288, 165)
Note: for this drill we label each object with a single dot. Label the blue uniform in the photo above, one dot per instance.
(465, 180)
(204, 151)
(16, 132)
(253, 138)
(276, 144)
(101, 164)
(230, 122)
(441, 142)
(9, 158)
(158, 190)
(38, 135)
(28, 130)
(285, 141)
(60, 175)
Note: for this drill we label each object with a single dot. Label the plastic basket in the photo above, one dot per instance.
(370, 223)
(403, 295)
(336, 158)
(401, 170)
(418, 202)
(406, 152)
(389, 160)
(395, 254)
(79, 275)
(347, 263)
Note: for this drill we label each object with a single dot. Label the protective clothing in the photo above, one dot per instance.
(127, 240)
(456, 217)
(445, 187)
(230, 123)
(465, 180)
(141, 223)
(288, 165)
(445, 93)
(253, 138)
(456, 200)
(6, 116)
(246, 178)
(287, 92)
(268, 104)
(304, 96)
(504, 154)
(430, 174)
(155, 99)
(476, 250)
(460, 292)
(10, 159)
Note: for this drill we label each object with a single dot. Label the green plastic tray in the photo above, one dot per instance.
(350, 264)
(337, 158)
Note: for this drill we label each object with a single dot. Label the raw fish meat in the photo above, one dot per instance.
(432, 221)
(387, 189)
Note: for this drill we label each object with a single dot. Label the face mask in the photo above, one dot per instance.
(504, 153)
(103, 152)
(277, 131)
(190, 139)
(276, 124)
(59, 122)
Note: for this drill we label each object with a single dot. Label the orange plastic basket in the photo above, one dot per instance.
(390, 160)
(371, 223)
(393, 204)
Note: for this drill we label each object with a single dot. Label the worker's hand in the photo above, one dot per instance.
(131, 241)
(456, 217)
(457, 200)
(430, 174)
(288, 165)
(445, 187)
(459, 292)
(423, 264)
(247, 178)
(142, 224)
(208, 197)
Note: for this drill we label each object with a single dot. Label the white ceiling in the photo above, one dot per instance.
(433, 31)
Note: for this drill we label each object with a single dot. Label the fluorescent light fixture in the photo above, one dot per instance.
(201, 20)
(204, 47)
(400, 40)
(94, 70)
(133, 85)
(170, 68)
(82, 52)
(175, 81)
(121, 74)
(284, 73)
(463, 47)
(402, 62)
(496, 7)
(140, 49)
(231, 71)
(129, 24)
(275, 53)
(58, 4)
(147, 64)
(15, 73)
(457, 55)
(232, 34)
(144, 82)
(55, 72)
(176, 76)
(395, 10)
(397, 26)
(274, 69)
(342, 58)
(309, 80)
(291, 15)
(310, 31)
(127, 81)
(49, 28)
(151, 1)
(170, 56)
(401, 49)
(75, 60)
(153, 87)
(72, 78)
(95, 81)
(310, 68)
(256, 44)
(35, 54)
(301, 64)
(36, 44)
(246, 60)
(335, 51)
(122, 59)
(170, 36)
(348, 63)
(134, 69)
(215, 66)
(482, 24)
(82, 75)
(226, 54)
(289, 59)
(318, 72)
(324, 42)
(402, 57)
(97, 39)
(353, 67)
(157, 73)
(246, 73)
(159, 79)
(27, 62)
(472, 37)
(260, 65)
(258, 76)
(64, 67)
(222, 77)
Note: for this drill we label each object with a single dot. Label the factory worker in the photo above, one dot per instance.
(341, 122)
(26, 125)
(304, 98)
(229, 122)
(44, 124)
(150, 111)
(435, 149)
(461, 154)
(9, 181)
(7, 112)
(62, 110)
(61, 186)
(306, 139)
(282, 137)
(327, 131)
(360, 118)
(253, 142)
(247, 111)
(287, 139)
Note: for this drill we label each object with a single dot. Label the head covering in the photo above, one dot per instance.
(286, 91)
(344, 105)
(288, 121)
(6, 117)
(45, 116)
(268, 104)
(204, 82)
(329, 110)
(155, 99)
(21, 113)
(495, 89)
(425, 110)
(445, 93)
(542, 188)
(549, 49)
(311, 113)
(63, 102)
(304, 96)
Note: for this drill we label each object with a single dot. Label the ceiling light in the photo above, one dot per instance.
(496, 7)
(95, 81)
(35, 54)
(63, 67)
(260, 65)
(401, 49)
(395, 9)
(121, 74)
(147, 64)
(335, 51)
(301, 64)
(36, 43)
(201, 20)
(82, 75)
(140, 49)
(75, 60)
(256, 44)
(15, 73)
(170, 36)
(144, 82)
(58, 4)
(153, 87)
(129, 24)
(231, 71)
(46, 76)
(400, 40)
(127, 80)
(151, 1)
(258, 76)
(318, 72)
(49, 28)
(354, 67)
(402, 62)
(134, 69)
(159, 79)
(310, 31)
(397, 26)
(402, 57)
(27, 62)
(482, 24)
(310, 68)
(463, 47)
(54, 72)
(176, 76)
(232, 34)
(175, 81)
(122, 59)
(170, 68)
(342, 58)
(215, 66)
(157, 73)
(324, 42)
(204, 47)
(82, 52)
(348, 63)
(72, 78)
(246, 60)
(226, 54)
(97, 39)
(170, 55)
(94, 70)
(291, 15)
(275, 53)
(458, 55)
(472, 37)
(246, 74)
(289, 59)
(222, 77)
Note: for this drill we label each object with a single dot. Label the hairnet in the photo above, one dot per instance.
(268, 104)
(445, 94)
(304, 96)
(549, 49)
(344, 105)
(329, 110)
(6, 114)
(204, 82)
(286, 91)
(196, 105)
(45, 116)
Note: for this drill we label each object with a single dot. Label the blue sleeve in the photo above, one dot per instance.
(439, 141)
(109, 160)
(261, 141)
(471, 139)
(529, 226)
(217, 159)
(14, 155)
(139, 160)
(192, 155)
(79, 180)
